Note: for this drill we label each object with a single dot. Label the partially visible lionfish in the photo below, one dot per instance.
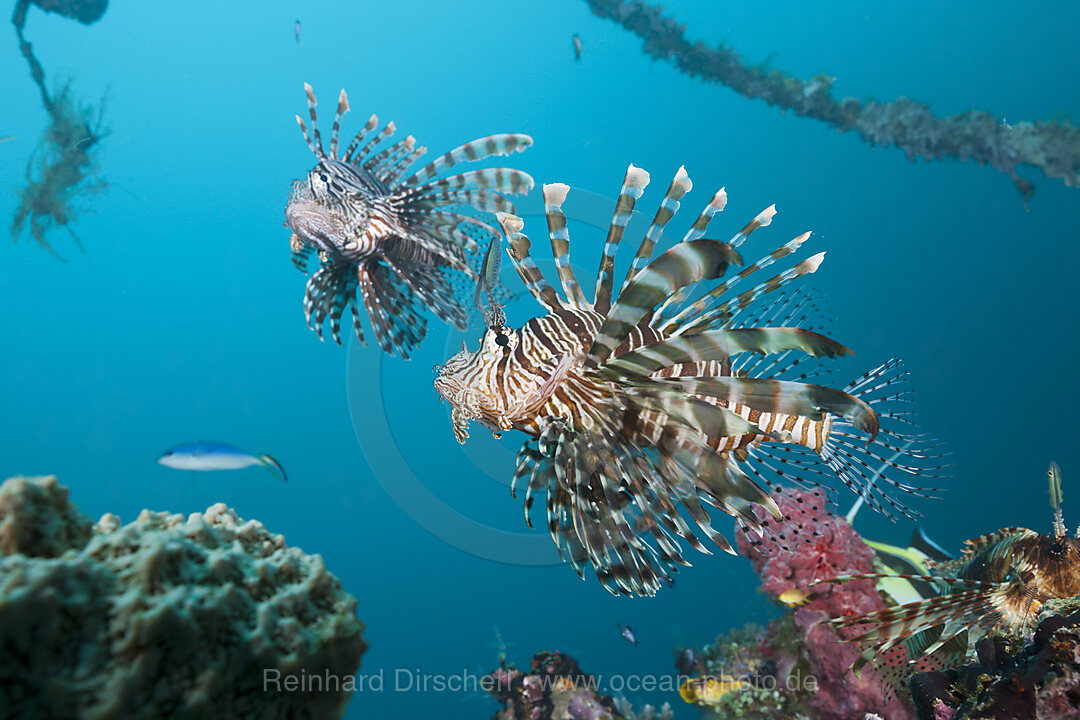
(657, 397)
(390, 238)
(999, 584)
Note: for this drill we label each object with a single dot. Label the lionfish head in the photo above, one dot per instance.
(1056, 562)
(469, 382)
(314, 209)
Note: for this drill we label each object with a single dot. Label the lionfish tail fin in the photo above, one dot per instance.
(896, 455)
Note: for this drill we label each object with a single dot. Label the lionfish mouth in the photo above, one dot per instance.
(464, 409)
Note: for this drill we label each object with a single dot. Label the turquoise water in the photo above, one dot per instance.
(184, 319)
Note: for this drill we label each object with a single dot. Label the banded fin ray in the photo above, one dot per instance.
(717, 204)
(554, 197)
(633, 186)
(680, 185)
(525, 265)
(479, 149)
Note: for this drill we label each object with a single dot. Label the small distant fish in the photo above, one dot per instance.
(686, 663)
(708, 690)
(627, 634)
(6, 138)
(296, 32)
(206, 456)
(577, 46)
(792, 597)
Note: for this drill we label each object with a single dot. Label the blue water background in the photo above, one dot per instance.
(184, 320)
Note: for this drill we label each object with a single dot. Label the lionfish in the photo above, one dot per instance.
(660, 396)
(999, 584)
(391, 238)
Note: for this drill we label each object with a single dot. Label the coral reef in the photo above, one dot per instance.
(1053, 147)
(164, 617)
(1033, 678)
(648, 712)
(63, 168)
(799, 666)
(553, 689)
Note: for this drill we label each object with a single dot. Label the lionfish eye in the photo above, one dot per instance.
(1057, 548)
(322, 176)
(502, 340)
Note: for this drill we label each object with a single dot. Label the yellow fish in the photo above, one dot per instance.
(793, 597)
(708, 690)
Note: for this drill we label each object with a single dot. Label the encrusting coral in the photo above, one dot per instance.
(204, 617)
(553, 689)
(1031, 678)
(799, 666)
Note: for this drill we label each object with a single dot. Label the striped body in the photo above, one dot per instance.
(392, 240)
(651, 401)
(498, 393)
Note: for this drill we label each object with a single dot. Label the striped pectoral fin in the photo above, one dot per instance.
(959, 609)
(554, 197)
(781, 397)
(328, 292)
(720, 345)
(682, 265)
(675, 300)
(502, 144)
(391, 308)
(301, 253)
(524, 264)
(655, 395)
(432, 287)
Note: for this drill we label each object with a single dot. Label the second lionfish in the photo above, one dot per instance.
(659, 399)
(999, 584)
(392, 239)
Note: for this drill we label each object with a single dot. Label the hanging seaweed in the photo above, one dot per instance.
(62, 168)
(1052, 146)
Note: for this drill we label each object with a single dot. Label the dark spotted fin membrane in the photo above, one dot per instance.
(936, 626)
(897, 454)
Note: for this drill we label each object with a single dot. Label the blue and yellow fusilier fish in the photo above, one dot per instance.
(205, 456)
